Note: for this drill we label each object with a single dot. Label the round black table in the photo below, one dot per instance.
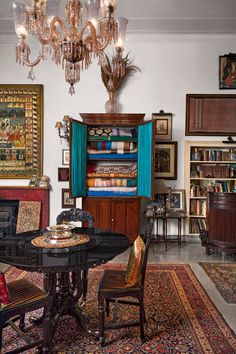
(62, 267)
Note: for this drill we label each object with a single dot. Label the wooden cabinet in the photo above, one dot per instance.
(115, 214)
(210, 166)
(111, 164)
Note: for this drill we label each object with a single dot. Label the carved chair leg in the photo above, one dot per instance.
(107, 307)
(84, 284)
(22, 322)
(101, 319)
(46, 331)
(141, 319)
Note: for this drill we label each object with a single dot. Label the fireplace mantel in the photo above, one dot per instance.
(29, 194)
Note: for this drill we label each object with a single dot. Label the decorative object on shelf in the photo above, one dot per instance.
(33, 182)
(72, 46)
(176, 200)
(161, 192)
(151, 210)
(166, 160)
(65, 125)
(229, 140)
(65, 156)
(114, 75)
(227, 71)
(21, 131)
(210, 114)
(44, 182)
(67, 201)
(162, 125)
(63, 174)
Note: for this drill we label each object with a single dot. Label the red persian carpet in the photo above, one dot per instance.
(181, 318)
(223, 276)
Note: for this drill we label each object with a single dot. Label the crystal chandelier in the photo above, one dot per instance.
(71, 43)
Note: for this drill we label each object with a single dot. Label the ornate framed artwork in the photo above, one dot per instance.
(67, 201)
(162, 125)
(227, 71)
(21, 131)
(176, 200)
(63, 174)
(65, 157)
(166, 160)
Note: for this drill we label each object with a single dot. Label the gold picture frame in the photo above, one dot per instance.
(162, 125)
(166, 160)
(21, 109)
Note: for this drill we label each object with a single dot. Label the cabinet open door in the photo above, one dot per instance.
(145, 160)
(78, 158)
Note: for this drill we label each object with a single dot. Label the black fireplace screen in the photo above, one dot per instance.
(8, 217)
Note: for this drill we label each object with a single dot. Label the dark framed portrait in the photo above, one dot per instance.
(166, 160)
(162, 125)
(177, 200)
(67, 201)
(227, 71)
(63, 174)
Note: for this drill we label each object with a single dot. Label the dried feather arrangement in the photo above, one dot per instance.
(114, 83)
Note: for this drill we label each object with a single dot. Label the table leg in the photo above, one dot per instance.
(179, 231)
(165, 232)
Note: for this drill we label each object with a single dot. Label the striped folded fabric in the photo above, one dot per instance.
(111, 182)
(113, 189)
(120, 147)
(99, 152)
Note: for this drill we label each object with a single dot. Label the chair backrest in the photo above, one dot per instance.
(221, 216)
(75, 214)
(136, 268)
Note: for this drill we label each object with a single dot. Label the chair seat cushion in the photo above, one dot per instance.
(112, 280)
(22, 291)
(4, 293)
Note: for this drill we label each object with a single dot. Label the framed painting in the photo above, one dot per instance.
(63, 174)
(162, 125)
(227, 71)
(176, 200)
(166, 160)
(21, 131)
(67, 201)
(65, 157)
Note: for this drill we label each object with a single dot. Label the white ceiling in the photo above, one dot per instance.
(160, 16)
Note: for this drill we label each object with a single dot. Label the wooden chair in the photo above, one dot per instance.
(118, 284)
(219, 231)
(76, 214)
(17, 298)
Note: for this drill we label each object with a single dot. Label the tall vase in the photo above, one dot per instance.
(112, 106)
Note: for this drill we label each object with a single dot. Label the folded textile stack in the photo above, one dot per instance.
(112, 179)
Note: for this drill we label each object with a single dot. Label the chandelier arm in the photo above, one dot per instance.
(33, 63)
(51, 31)
(92, 38)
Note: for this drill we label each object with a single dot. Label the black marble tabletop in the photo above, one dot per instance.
(103, 246)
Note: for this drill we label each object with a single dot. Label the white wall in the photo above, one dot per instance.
(171, 65)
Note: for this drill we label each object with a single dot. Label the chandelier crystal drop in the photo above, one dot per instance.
(71, 42)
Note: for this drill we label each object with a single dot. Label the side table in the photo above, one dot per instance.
(164, 218)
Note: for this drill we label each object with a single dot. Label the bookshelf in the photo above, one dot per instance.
(209, 166)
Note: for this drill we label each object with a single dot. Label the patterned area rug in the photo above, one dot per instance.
(223, 276)
(180, 318)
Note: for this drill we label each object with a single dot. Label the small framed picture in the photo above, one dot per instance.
(63, 174)
(176, 200)
(227, 71)
(33, 182)
(166, 160)
(162, 125)
(65, 157)
(67, 201)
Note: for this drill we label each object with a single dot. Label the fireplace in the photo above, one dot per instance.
(13, 193)
(8, 217)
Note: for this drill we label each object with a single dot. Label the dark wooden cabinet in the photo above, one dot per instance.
(118, 208)
(220, 231)
(115, 214)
